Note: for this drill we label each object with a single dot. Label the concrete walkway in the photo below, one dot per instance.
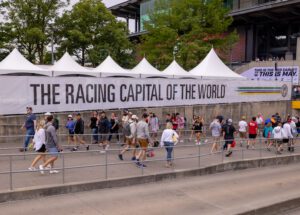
(187, 153)
(224, 193)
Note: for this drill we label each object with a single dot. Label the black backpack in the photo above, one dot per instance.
(56, 123)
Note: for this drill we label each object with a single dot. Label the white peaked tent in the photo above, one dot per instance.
(109, 68)
(175, 70)
(67, 66)
(145, 70)
(16, 63)
(213, 67)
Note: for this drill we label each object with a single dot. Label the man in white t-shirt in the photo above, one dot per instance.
(243, 130)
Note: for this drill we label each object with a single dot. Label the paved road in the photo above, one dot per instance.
(118, 169)
(224, 193)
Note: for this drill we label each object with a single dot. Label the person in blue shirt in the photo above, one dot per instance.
(30, 126)
(70, 125)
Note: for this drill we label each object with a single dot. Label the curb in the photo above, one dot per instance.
(275, 209)
(43, 191)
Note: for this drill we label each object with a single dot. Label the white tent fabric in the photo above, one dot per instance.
(109, 68)
(145, 70)
(213, 67)
(175, 70)
(67, 66)
(16, 63)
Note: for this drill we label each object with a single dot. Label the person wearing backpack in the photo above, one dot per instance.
(129, 131)
(278, 135)
(104, 128)
(228, 131)
(78, 132)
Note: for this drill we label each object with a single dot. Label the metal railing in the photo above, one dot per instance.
(196, 155)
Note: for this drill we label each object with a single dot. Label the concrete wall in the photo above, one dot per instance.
(10, 125)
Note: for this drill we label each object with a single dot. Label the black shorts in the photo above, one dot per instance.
(228, 142)
(197, 131)
(42, 149)
(285, 140)
(252, 136)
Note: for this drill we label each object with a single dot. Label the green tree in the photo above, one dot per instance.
(30, 25)
(90, 32)
(186, 29)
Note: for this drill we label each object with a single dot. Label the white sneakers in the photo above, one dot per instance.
(53, 171)
(41, 169)
(32, 169)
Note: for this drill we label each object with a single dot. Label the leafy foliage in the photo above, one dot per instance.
(91, 32)
(29, 25)
(186, 29)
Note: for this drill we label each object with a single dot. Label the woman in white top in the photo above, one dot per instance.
(39, 141)
(169, 138)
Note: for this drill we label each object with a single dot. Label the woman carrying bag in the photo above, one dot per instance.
(169, 138)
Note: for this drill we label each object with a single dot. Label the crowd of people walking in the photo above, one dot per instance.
(142, 134)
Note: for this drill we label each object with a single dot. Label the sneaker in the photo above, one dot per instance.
(53, 171)
(106, 147)
(228, 154)
(143, 165)
(205, 141)
(247, 146)
(41, 169)
(269, 149)
(74, 149)
(121, 157)
(138, 164)
(278, 152)
(88, 148)
(23, 150)
(133, 158)
(32, 169)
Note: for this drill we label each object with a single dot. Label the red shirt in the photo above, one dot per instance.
(252, 127)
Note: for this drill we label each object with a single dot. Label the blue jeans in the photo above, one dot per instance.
(169, 148)
(95, 134)
(29, 134)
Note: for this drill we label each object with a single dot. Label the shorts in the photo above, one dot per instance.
(285, 140)
(197, 132)
(143, 143)
(103, 137)
(42, 149)
(71, 134)
(53, 152)
(228, 142)
(243, 134)
(252, 136)
(129, 141)
(278, 142)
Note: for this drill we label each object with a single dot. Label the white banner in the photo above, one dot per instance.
(82, 93)
(286, 73)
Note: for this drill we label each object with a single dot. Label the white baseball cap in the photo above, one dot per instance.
(48, 114)
(70, 116)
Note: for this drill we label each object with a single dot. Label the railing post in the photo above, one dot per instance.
(260, 146)
(199, 153)
(63, 168)
(106, 165)
(242, 153)
(10, 173)
(222, 152)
